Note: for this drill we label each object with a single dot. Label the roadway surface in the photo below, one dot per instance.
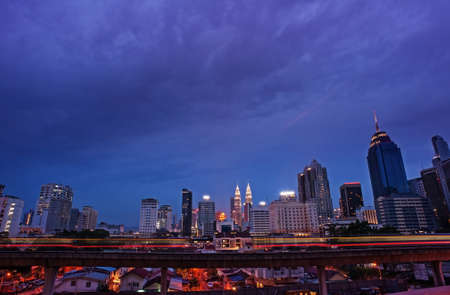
(10, 259)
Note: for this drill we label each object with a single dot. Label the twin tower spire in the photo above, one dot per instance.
(236, 210)
(248, 194)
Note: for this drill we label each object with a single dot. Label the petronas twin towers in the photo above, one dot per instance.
(239, 218)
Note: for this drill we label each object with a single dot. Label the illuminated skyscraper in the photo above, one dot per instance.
(53, 206)
(395, 204)
(237, 208)
(186, 212)
(387, 172)
(207, 217)
(313, 186)
(248, 203)
(148, 216)
(260, 220)
(351, 199)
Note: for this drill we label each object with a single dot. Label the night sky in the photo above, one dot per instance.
(124, 100)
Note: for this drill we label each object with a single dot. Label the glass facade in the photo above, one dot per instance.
(313, 186)
(387, 172)
(207, 218)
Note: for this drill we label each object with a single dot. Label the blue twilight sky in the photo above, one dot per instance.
(124, 100)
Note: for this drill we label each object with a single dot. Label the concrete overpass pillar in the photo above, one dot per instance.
(438, 275)
(322, 276)
(50, 277)
(164, 281)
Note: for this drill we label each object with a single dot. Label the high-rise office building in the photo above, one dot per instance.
(248, 203)
(387, 172)
(148, 216)
(313, 186)
(186, 212)
(416, 186)
(236, 215)
(406, 212)
(62, 196)
(440, 147)
(57, 215)
(441, 163)
(287, 216)
(395, 204)
(164, 218)
(433, 188)
(207, 216)
(260, 220)
(351, 199)
(88, 218)
(10, 214)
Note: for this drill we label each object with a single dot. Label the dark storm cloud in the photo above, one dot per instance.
(168, 91)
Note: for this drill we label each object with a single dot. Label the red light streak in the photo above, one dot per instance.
(354, 244)
(324, 245)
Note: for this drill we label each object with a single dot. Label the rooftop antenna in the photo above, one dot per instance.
(377, 127)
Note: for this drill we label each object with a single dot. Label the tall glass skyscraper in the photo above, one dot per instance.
(434, 192)
(53, 206)
(313, 187)
(396, 205)
(207, 216)
(248, 203)
(387, 172)
(236, 214)
(186, 212)
(147, 218)
(441, 163)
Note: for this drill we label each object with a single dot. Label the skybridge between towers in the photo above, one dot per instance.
(52, 260)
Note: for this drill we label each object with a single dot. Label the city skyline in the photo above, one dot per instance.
(197, 198)
(220, 99)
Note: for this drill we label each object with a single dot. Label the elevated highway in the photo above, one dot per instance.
(225, 260)
(52, 260)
